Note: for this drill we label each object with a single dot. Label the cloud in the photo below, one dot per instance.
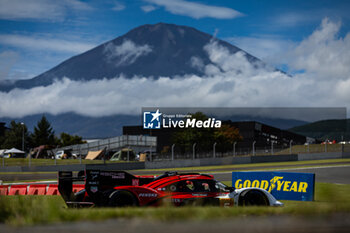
(292, 19)
(197, 62)
(148, 8)
(323, 53)
(39, 9)
(230, 81)
(118, 6)
(230, 62)
(44, 44)
(196, 10)
(7, 60)
(126, 53)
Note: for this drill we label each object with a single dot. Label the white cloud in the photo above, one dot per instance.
(7, 60)
(228, 62)
(292, 19)
(126, 53)
(118, 6)
(197, 62)
(77, 5)
(323, 53)
(44, 44)
(196, 10)
(222, 86)
(39, 9)
(148, 8)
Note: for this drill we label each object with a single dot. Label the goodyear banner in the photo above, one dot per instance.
(282, 185)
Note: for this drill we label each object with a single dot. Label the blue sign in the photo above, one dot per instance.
(152, 120)
(282, 185)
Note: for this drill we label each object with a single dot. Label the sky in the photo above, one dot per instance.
(309, 40)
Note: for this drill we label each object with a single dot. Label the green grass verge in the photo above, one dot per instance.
(31, 210)
(312, 148)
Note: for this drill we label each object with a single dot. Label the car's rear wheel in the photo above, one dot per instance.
(122, 198)
(253, 198)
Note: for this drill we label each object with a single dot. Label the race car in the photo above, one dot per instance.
(121, 189)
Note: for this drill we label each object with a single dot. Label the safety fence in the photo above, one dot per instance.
(35, 189)
(173, 152)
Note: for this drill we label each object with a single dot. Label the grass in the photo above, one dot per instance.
(313, 148)
(31, 210)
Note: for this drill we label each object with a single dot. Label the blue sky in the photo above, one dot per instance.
(308, 39)
(36, 35)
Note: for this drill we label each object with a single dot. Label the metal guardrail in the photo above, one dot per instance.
(175, 153)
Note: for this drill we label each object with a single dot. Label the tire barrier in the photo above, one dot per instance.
(35, 189)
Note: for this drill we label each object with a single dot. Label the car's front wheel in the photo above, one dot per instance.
(253, 198)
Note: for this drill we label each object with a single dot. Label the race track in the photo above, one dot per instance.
(333, 173)
(268, 224)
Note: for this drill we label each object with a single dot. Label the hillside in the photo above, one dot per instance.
(327, 129)
(149, 51)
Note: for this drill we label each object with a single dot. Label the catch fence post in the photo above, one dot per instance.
(214, 150)
(271, 147)
(172, 152)
(194, 151)
(234, 148)
(254, 148)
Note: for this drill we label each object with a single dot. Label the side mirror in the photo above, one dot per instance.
(230, 189)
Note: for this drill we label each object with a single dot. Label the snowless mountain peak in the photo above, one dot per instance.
(151, 50)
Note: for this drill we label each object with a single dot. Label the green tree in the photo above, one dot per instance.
(67, 140)
(14, 136)
(226, 136)
(43, 133)
(203, 137)
(206, 137)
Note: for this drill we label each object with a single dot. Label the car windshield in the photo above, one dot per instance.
(221, 187)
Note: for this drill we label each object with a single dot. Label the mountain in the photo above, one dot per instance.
(338, 130)
(149, 50)
(87, 127)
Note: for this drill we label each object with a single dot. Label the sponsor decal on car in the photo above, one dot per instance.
(135, 182)
(93, 189)
(148, 195)
(200, 194)
(114, 175)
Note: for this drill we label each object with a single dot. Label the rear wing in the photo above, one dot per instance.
(97, 184)
(65, 184)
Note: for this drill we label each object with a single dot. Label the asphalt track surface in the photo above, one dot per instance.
(274, 224)
(326, 173)
(333, 173)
